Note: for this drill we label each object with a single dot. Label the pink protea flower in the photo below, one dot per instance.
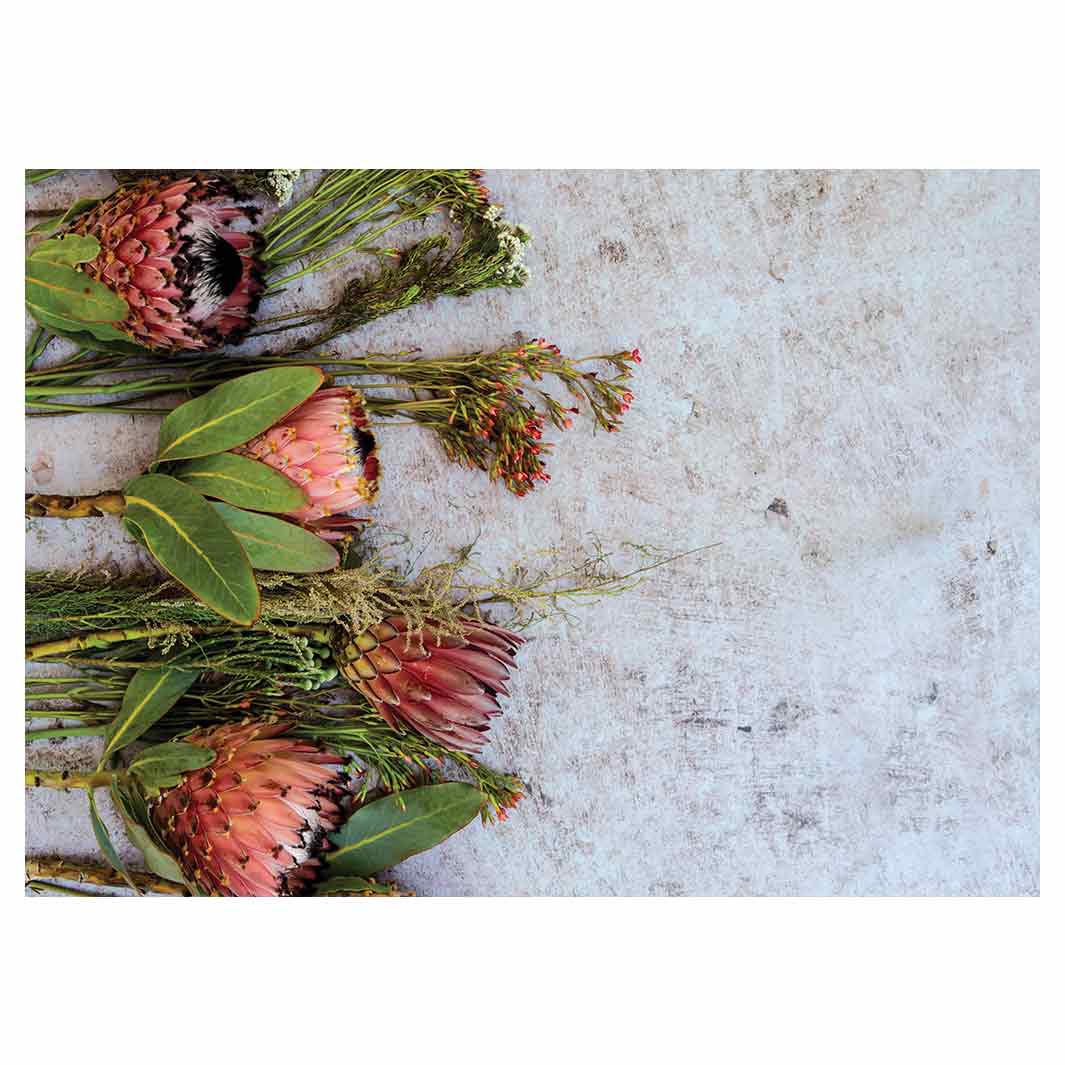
(325, 447)
(446, 687)
(255, 821)
(182, 256)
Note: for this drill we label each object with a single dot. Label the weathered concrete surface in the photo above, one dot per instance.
(843, 697)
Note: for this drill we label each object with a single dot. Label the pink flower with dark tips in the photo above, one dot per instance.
(324, 446)
(183, 256)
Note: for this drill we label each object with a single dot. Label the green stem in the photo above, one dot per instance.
(40, 338)
(64, 733)
(149, 384)
(34, 177)
(49, 410)
(98, 640)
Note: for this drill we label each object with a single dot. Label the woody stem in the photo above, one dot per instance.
(64, 780)
(43, 506)
(91, 873)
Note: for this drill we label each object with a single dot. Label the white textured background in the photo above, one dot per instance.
(840, 699)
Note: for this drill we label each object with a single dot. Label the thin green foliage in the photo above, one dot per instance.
(484, 256)
(546, 584)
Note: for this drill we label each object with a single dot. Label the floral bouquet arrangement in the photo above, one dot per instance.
(179, 263)
(277, 716)
(307, 753)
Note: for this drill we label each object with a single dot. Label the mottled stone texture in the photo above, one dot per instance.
(841, 390)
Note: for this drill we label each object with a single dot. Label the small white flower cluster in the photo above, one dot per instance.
(280, 184)
(512, 240)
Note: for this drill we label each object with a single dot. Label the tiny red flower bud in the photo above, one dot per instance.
(568, 423)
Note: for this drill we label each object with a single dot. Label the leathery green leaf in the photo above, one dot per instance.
(242, 482)
(149, 694)
(134, 813)
(383, 833)
(69, 250)
(79, 207)
(275, 544)
(57, 289)
(103, 841)
(235, 411)
(98, 336)
(163, 765)
(194, 545)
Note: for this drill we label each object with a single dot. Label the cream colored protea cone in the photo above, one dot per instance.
(255, 821)
(326, 448)
(184, 258)
(444, 686)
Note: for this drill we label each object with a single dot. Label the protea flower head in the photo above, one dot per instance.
(255, 820)
(183, 257)
(444, 686)
(325, 447)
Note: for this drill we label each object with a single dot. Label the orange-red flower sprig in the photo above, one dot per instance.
(491, 411)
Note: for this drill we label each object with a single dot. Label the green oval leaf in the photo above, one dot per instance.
(103, 841)
(235, 411)
(57, 289)
(95, 337)
(163, 765)
(69, 250)
(276, 544)
(78, 207)
(194, 545)
(134, 531)
(149, 694)
(383, 833)
(243, 482)
(141, 832)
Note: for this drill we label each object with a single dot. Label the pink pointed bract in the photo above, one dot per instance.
(255, 821)
(182, 254)
(326, 448)
(446, 687)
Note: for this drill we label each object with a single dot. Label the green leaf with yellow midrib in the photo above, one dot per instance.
(278, 545)
(383, 833)
(148, 696)
(243, 482)
(194, 545)
(233, 412)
